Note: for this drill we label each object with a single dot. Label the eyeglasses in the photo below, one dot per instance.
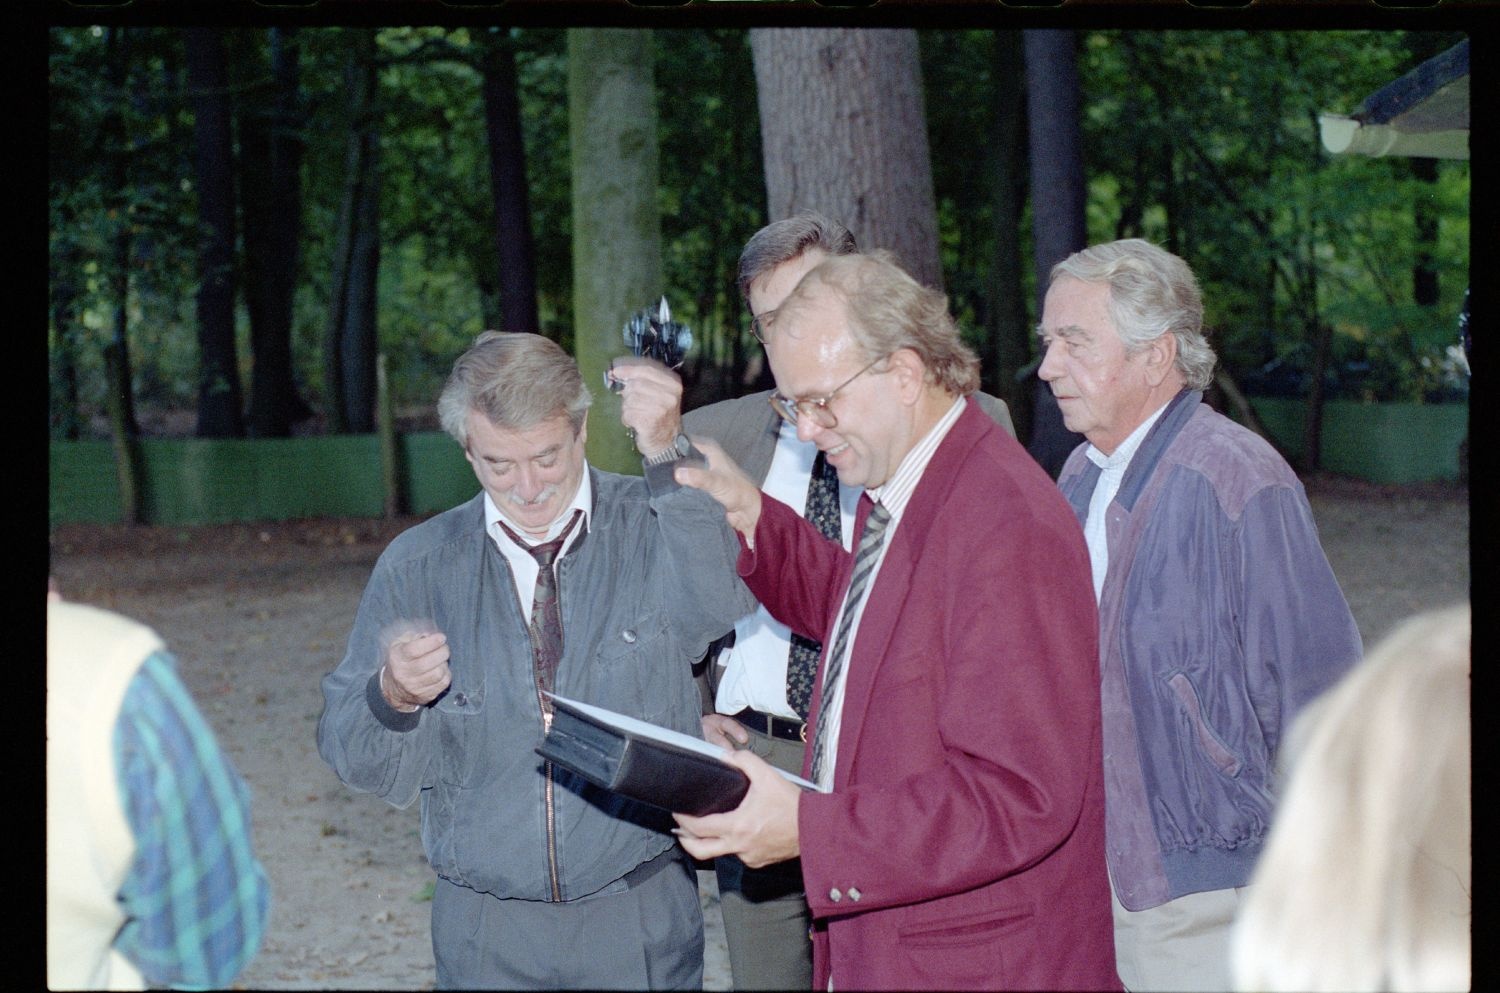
(815, 408)
(758, 325)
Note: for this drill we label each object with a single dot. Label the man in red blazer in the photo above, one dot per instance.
(957, 840)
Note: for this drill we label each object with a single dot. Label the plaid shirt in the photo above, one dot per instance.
(196, 898)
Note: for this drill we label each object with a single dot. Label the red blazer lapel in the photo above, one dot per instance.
(923, 518)
(871, 641)
(815, 704)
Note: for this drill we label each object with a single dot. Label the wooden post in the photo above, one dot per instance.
(127, 464)
(390, 451)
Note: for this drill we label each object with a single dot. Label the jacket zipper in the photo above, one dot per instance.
(552, 873)
(552, 840)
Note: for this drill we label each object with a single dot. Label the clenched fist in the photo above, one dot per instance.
(415, 669)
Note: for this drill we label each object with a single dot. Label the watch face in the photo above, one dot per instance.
(683, 445)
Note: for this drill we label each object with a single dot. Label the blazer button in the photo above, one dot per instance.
(854, 894)
(628, 636)
(835, 895)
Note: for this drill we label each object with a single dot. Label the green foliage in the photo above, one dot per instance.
(542, 71)
(120, 205)
(437, 220)
(712, 186)
(1205, 141)
(958, 81)
(1208, 143)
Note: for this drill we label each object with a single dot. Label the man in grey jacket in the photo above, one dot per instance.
(1219, 614)
(556, 577)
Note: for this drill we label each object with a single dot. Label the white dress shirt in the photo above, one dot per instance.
(523, 567)
(755, 665)
(894, 495)
(1111, 471)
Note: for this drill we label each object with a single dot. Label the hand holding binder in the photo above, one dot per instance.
(652, 764)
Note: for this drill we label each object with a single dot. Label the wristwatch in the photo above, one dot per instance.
(680, 448)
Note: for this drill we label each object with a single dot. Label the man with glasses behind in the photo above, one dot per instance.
(960, 840)
(760, 677)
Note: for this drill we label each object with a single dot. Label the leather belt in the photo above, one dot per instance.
(770, 724)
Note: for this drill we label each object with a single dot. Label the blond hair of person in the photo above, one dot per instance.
(889, 310)
(1365, 882)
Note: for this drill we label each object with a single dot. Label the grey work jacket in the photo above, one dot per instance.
(643, 592)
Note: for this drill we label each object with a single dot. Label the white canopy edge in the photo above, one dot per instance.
(1346, 136)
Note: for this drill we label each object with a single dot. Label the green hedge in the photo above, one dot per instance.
(203, 481)
(199, 481)
(1379, 442)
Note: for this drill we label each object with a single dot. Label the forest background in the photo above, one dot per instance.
(251, 227)
(243, 221)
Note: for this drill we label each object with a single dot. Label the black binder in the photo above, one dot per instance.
(651, 764)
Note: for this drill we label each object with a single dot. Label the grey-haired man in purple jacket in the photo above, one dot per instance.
(1219, 614)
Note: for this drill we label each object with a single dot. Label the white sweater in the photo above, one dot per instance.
(92, 655)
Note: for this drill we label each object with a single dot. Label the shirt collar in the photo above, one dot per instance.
(1117, 460)
(895, 493)
(582, 500)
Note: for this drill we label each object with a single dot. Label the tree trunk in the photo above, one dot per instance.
(514, 246)
(747, 370)
(350, 342)
(62, 292)
(118, 144)
(616, 222)
(270, 189)
(361, 338)
(1135, 195)
(219, 403)
(843, 131)
(1235, 399)
(1009, 342)
(1424, 274)
(122, 434)
(1321, 334)
(1058, 198)
(391, 474)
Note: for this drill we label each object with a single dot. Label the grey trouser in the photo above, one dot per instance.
(765, 913)
(646, 934)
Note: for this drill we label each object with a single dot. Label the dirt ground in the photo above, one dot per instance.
(258, 613)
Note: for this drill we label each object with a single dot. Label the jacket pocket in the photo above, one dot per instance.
(969, 929)
(633, 665)
(636, 636)
(964, 952)
(460, 714)
(1209, 743)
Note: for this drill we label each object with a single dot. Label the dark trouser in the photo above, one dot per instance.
(645, 934)
(765, 913)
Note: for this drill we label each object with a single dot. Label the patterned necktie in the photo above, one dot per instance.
(864, 563)
(546, 616)
(823, 511)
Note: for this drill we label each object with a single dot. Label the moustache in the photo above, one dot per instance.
(512, 498)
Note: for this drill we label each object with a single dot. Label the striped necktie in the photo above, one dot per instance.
(870, 541)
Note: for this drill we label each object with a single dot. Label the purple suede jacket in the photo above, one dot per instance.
(1219, 619)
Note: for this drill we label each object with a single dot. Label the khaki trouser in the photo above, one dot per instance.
(1181, 945)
